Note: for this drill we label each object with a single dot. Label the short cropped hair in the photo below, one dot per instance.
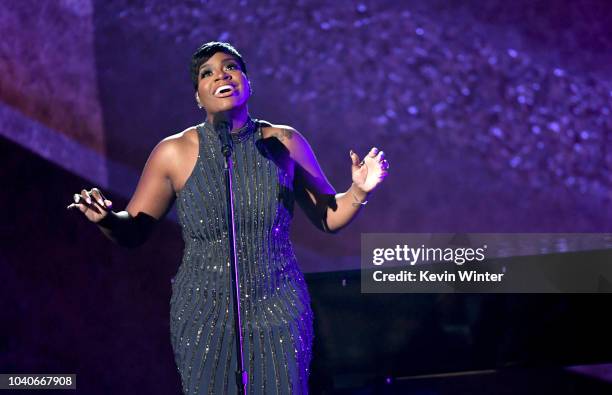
(206, 51)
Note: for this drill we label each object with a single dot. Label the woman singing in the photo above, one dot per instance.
(273, 166)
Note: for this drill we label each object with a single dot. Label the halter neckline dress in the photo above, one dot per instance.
(275, 305)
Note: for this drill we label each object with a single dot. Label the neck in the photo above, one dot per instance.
(238, 116)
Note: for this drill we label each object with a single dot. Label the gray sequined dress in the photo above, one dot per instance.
(276, 313)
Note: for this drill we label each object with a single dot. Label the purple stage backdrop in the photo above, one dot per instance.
(495, 117)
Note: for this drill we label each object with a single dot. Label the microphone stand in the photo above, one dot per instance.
(223, 126)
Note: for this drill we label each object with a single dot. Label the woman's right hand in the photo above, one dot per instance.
(92, 203)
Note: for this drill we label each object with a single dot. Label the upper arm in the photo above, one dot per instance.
(155, 192)
(308, 172)
(312, 190)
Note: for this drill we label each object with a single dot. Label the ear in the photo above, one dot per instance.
(198, 100)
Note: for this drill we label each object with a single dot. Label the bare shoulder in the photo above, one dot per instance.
(177, 146)
(281, 132)
(288, 136)
(175, 152)
(181, 140)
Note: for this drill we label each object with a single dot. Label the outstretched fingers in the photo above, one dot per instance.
(87, 201)
(86, 196)
(100, 199)
(92, 203)
(355, 160)
(383, 164)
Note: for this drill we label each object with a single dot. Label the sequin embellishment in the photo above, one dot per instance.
(277, 318)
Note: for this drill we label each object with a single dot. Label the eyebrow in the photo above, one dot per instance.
(231, 59)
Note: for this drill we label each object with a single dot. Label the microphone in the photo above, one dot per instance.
(223, 127)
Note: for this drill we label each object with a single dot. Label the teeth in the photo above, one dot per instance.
(223, 87)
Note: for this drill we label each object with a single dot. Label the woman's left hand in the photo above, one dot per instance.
(369, 172)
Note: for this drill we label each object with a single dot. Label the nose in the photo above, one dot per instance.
(222, 76)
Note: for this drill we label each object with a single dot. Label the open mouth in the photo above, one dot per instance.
(224, 91)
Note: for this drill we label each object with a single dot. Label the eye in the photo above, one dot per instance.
(205, 73)
(232, 66)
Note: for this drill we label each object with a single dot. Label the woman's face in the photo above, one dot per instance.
(222, 85)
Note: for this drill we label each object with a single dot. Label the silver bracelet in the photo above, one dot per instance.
(358, 203)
